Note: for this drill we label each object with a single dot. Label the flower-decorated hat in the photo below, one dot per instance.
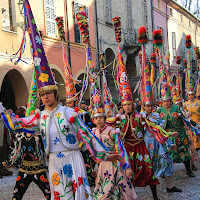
(32, 99)
(45, 80)
(71, 94)
(147, 95)
(95, 95)
(108, 104)
(176, 96)
(124, 86)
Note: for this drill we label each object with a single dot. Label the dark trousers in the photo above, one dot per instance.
(24, 180)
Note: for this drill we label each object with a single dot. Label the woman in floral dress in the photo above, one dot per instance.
(111, 182)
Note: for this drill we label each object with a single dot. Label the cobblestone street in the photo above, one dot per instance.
(190, 187)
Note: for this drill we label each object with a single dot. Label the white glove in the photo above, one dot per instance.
(2, 109)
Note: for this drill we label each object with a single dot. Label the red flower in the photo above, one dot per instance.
(80, 180)
(178, 140)
(74, 185)
(151, 146)
(175, 114)
(162, 115)
(44, 117)
(56, 195)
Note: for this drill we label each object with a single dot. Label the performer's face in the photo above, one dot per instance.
(99, 121)
(71, 104)
(128, 108)
(48, 98)
(191, 97)
(148, 108)
(167, 103)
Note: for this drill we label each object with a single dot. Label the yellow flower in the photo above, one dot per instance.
(58, 115)
(55, 179)
(186, 141)
(44, 77)
(181, 155)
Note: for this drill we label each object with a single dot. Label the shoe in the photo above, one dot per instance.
(190, 174)
(193, 167)
(174, 189)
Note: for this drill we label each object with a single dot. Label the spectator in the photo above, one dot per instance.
(83, 105)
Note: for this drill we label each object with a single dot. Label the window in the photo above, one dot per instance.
(189, 23)
(108, 13)
(78, 7)
(171, 11)
(8, 15)
(181, 18)
(50, 18)
(159, 5)
(174, 44)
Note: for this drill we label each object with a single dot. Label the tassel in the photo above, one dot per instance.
(197, 53)
(185, 63)
(158, 38)
(117, 25)
(102, 59)
(178, 60)
(142, 35)
(140, 56)
(153, 59)
(188, 42)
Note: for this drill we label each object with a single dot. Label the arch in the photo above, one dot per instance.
(14, 91)
(131, 66)
(174, 80)
(78, 87)
(110, 56)
(61, 83)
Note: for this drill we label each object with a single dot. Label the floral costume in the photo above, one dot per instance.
(161, 160)
(111, 183)
(173, 122)
(140, 160)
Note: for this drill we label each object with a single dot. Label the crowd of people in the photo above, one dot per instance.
(105, 150)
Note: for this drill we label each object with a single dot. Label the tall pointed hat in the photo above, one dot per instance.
(124, 88)
(108, 104)
(32, 99)
(147, 95)
(197, 53)
(95, 95)
(190, 84)
(153, 69)
(71, 94)
(158, 42)
(45, 80)
(176, 96)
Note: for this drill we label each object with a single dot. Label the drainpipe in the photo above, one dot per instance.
(152, 15)
(167, 25)
(67, 27)
(97, 34)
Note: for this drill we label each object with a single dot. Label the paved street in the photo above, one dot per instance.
(190, 187)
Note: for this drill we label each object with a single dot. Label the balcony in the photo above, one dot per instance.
(131, 41)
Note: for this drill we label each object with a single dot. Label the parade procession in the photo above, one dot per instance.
(99, 109)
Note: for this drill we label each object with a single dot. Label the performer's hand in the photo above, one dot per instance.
(129, 172)
(115, 157)
(2, 109)
(174, 134)
(5, 165)
(174, 147)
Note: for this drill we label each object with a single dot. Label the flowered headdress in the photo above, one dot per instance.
(123, 87)
(71, 94)
(45, 80)
(95, 96)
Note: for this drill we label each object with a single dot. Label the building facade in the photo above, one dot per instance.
(15, 80)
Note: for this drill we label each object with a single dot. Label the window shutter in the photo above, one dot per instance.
(108, 10)
(174, 44)
(76, 28)
(50, 18)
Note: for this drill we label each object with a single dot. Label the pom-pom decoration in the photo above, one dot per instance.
(60, 26)
(71, 119)
(185, 63)
(197, 53)
(158, 38)
(140, 56)
(188, 41)
(178, 60)
(167, 55)
(117, 25)
(37, 115)
(102, 59)
(83, 26)
(142, 35)
(76, 109)
(153, 59)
